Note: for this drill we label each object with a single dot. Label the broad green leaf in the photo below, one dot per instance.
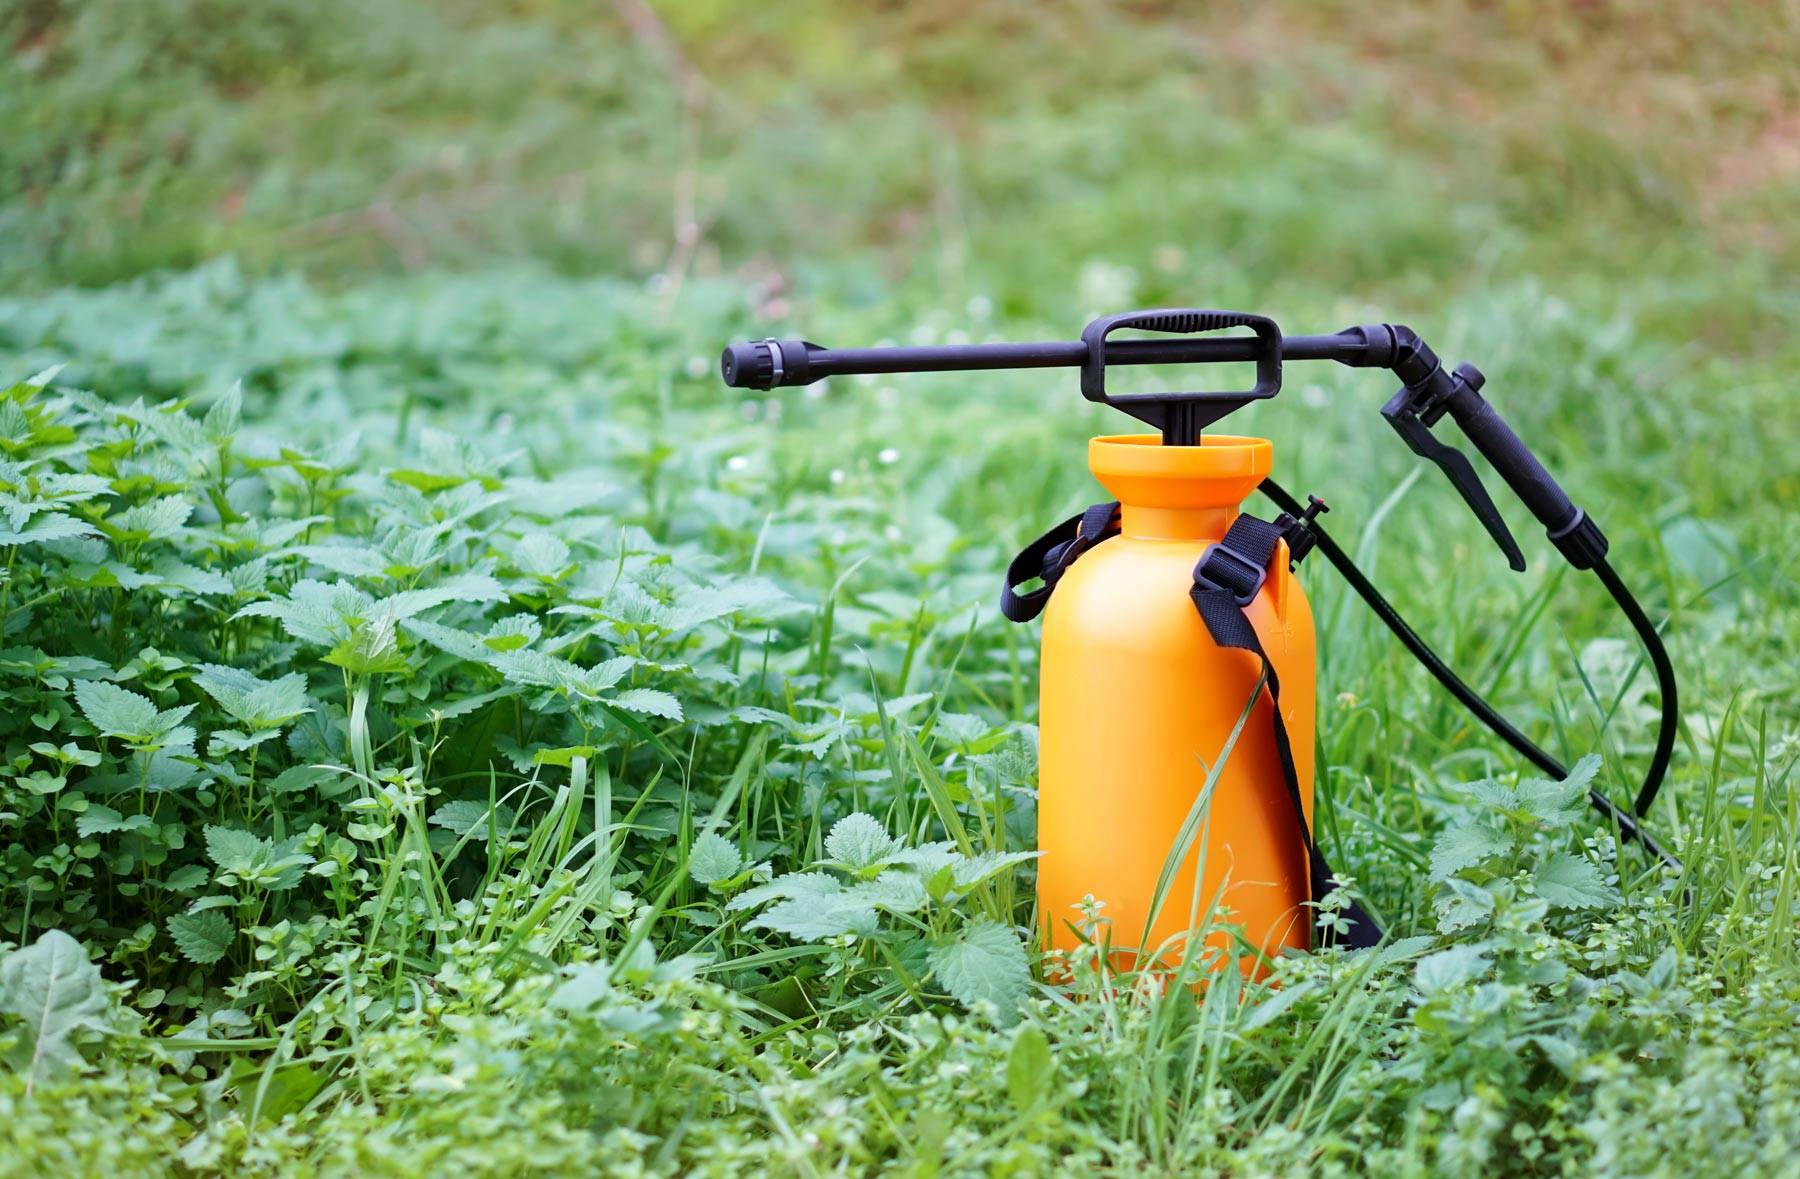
(713, 858)
(648, 701)
(859, 841)
(792, 885)
(1571, 882)
(1030, 1068)
(315, 612)
(469, 814)
(969, 872)
(115, 711)
(1465, 845)
(1449, 968)
(233, 850)
(244, 858)
(122, 713)
(44, 527)
(464, 587)
(258, 703)
(203, 938)
(986, 961)
(104, 820)
(158, 519)
(54, 991)
(542, 555)
(812, 919)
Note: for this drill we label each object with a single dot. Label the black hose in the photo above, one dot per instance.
(1665, 683)
(1626, 821)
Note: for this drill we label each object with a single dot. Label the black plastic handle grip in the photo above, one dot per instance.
(1534, 486)
(1572, 530)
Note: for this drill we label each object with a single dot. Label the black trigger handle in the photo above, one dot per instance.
(1401, 414)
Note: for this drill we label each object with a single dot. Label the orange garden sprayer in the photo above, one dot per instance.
(1168, 608)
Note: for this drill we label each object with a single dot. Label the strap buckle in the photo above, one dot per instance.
(1297, 530)
(1226, 570)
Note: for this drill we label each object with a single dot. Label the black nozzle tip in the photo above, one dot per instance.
(748, 365)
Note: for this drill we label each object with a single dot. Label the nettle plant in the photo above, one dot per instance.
(352, 698)
(922, 912)
(1510, 1014)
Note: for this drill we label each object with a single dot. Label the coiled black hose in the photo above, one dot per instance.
(1626, 821)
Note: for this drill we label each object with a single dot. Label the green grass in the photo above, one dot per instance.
(487, 867)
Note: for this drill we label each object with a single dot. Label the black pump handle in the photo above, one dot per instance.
(751, 364)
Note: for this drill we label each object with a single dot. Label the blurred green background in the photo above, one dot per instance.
(1222, 153)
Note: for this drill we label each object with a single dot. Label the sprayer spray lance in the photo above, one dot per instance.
(1429, 393)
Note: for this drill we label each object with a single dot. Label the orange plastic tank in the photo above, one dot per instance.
(1137, 701)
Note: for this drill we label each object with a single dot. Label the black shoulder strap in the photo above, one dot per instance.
(1227, 579)
(1049, 555)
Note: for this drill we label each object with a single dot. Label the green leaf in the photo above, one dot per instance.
(967, 873)
(258, 703)
(46, 526)
(986, 962)
(1449, 968)
(315, 612)
(233, 850)
(1464, 846)
(202, 938)
(470, 814)
(648, 701)
(858, 841)
(1029, 1068)
(813, 919)
(115, 711)
(542, 555)
(104, 820)
(54, 991)
(713, 858)
(158, 519)
(792, 885)
(1559, 804)
(1571, 882)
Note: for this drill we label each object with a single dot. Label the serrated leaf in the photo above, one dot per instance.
(541, 554)
(985, 962)
(448, 639)
(928, 859)
(233, 850)
(713, 858)
(54, 991)
(464, 587)
(314, 612)
(258, 703)
(158, 519)
(896, 892)
(120, 712)
(203, 938)
(1462, 905)
(792, 885)
(967, 873)
(1449, 968)
(859, 841)
(647, 701)
(812, 919)
(469, 814)
(756, 597)
(1464, 846)
(46, 526)
(115, 711)
(1558, 804)
(1571, 882)
(104, 820)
